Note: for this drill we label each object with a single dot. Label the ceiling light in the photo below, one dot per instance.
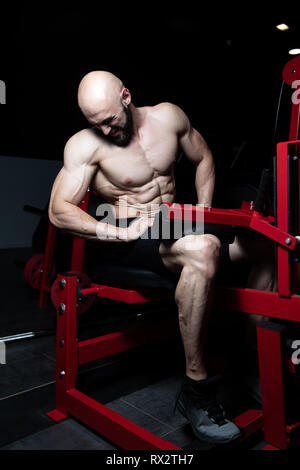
(294, 51)
(282, 27)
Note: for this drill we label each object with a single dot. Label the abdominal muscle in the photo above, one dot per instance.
(138, 201)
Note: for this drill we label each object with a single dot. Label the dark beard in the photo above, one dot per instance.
(125, 135)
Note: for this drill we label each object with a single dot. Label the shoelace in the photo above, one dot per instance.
(215, 410)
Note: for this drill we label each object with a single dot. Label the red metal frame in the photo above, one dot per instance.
(70, 353)
(238, 217)
(283, 304)
(79, 243)
(78, 248)
(47, 266)
(271, 344)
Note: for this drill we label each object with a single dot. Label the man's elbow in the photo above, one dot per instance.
(54, 217)
(53, 220)
(208, 156)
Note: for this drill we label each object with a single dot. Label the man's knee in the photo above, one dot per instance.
(201, 252)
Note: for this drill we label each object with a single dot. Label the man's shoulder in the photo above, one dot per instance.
(82, 145)
(86, 136)
(166, 108)
(170, 114)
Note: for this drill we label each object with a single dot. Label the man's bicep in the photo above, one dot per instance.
(193, 145)
(71, 184)
(77, 173)
(190, 140)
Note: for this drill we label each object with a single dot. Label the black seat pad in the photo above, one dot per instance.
(128, 277)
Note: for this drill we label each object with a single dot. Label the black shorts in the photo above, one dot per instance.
(141, 253)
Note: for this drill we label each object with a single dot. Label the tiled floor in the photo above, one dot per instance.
(28, 392)
(141, 384)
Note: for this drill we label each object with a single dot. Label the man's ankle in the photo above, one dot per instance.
(209, 384)
(196, 377)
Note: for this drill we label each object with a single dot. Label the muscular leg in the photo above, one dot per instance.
(196, 258)
(262, 276)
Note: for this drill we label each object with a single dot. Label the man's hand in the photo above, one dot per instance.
(135, 229)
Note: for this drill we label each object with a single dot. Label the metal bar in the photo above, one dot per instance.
(27, 335)
(47, 266)
(35, 210)
(279, 236)
(113, 426)
(295, 120)
(258, 302)
(113, 343)
(17, 337)
(269, 447)
(270, 341)
(297, 267)
(129, 296)
(78, 249)
(68, 296)
(235, 217)
(66, 341)
(240, 217)
(250, 421)
(78, 244)
(293, 212)
(283, 270)
(275, 190)
(88, 291)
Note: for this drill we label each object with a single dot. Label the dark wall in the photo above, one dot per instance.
(224, 72)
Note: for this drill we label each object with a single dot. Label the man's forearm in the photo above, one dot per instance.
(79, 223)
(205, 180)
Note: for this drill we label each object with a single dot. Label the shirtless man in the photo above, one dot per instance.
(127, 156)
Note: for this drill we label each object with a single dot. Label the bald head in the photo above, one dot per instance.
(105, 101)
(97, 91)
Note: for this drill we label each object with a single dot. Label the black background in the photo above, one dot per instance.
(223, 67)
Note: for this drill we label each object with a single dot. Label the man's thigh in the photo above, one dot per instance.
(175, 254)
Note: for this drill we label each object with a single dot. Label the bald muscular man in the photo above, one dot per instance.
(127, 155)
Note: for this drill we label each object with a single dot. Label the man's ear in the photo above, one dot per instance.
(126, 97)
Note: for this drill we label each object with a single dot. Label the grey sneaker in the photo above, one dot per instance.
(198, 403)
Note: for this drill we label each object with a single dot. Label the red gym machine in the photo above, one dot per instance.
(282, 228)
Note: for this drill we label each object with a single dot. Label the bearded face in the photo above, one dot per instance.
(121, 135)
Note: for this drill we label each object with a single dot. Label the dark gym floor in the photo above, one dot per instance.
(141, 385)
